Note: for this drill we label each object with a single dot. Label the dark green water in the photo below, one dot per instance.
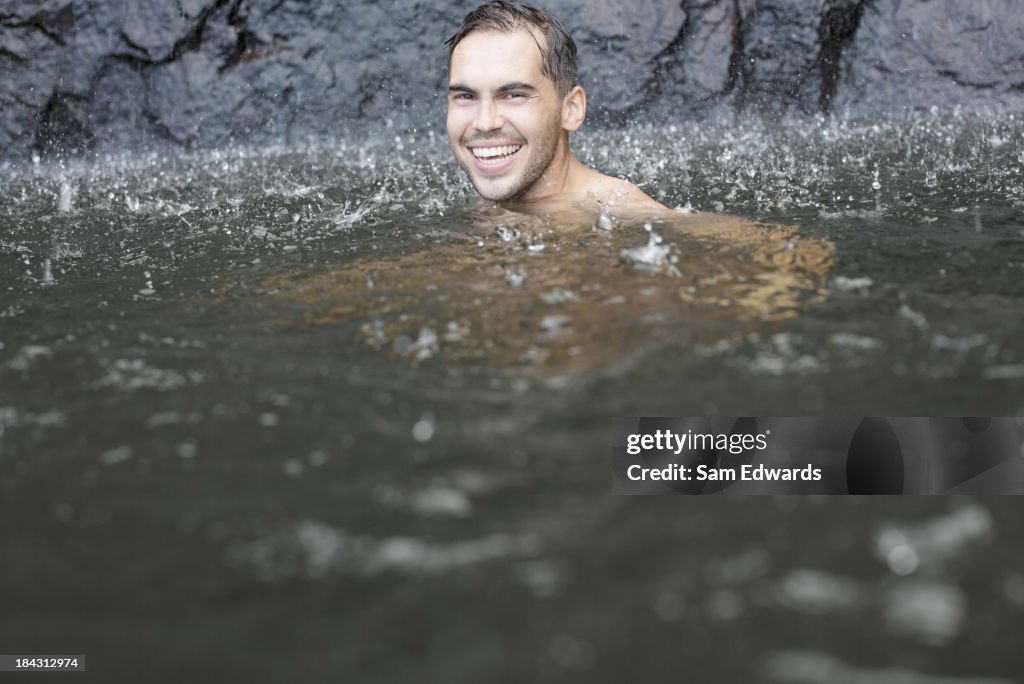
(196, 482)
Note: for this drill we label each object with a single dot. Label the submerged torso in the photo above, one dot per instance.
(561, 287)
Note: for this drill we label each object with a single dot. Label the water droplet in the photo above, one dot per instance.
(423, 429)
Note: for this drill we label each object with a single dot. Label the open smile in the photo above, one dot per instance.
(494, 159)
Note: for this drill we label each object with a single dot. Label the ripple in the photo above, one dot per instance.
(933, 542)
(311, 549)
(818, 667)
(929, 611)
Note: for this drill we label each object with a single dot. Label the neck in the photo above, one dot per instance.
(558, 178)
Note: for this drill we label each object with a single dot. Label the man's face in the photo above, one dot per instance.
(504, 115)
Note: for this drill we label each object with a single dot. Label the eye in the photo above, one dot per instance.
(513, 96)
(462, 96)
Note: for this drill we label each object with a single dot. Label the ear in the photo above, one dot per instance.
(574, 109)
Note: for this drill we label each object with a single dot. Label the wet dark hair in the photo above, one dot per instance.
(558, 54)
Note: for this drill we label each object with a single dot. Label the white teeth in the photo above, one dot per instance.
(491, 152)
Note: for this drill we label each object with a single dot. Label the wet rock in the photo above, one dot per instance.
(618, 45)
(775, 58)
(917, 54)
(79, 76)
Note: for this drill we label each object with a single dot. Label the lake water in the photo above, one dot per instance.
(305, 410)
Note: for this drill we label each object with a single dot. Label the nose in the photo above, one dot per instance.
(488, 117)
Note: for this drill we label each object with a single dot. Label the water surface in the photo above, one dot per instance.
(308, 407)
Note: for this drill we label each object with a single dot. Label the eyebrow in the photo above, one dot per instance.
(514, 85)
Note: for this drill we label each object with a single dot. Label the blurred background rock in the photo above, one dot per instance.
(79, 75)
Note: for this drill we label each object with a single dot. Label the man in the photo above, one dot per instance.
(567, 307)
(513, 99)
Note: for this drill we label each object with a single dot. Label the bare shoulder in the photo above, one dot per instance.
(620, 193)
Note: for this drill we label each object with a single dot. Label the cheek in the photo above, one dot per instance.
(536, 124)
(455, 125)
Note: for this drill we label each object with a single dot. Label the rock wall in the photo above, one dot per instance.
(77, 75)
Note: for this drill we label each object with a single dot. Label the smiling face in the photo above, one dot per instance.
(505, 118)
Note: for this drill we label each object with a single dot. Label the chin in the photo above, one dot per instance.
(494, 194)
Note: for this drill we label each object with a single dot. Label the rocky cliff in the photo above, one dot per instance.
(77, 75)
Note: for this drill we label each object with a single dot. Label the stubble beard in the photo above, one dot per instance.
(542, 153)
